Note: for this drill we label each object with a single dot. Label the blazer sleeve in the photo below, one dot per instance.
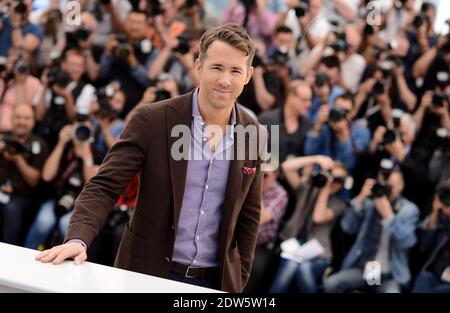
(101, 192)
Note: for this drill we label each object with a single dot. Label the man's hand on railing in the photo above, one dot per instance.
(57, 254)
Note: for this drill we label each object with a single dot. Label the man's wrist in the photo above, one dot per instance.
(88, 161)
(78, 241)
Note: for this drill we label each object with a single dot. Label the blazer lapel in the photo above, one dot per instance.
(179, 113)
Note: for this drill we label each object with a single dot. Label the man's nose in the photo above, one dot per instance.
(225, 80)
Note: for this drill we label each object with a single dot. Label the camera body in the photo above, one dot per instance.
(162, 94)
(381, 189)
(389, 136)
(13, 147)
(320, 179)
(279, 57)
(379, 87)
(122, 50)
(21, 67)
(438, 99)
(321, 80)
(302, 8)
(183, 46)
(57, 76)
(104, 96)
(336, 115)
(68, 194)
(20, 7)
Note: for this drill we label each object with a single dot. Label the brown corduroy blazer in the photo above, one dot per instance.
(148, 240)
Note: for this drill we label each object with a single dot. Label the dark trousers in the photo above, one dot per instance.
(11, 219)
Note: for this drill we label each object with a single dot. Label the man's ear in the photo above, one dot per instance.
(249, 74)
(198, 66)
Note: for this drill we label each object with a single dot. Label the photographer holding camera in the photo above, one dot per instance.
(69, 166)
(64, 92)
(127, 59)
(165, 88)
(317, 209)
(385, 223)
(22, 156)
(17, 31)
(435, 239)
(335, 135)
(107, 125)
(16, 86)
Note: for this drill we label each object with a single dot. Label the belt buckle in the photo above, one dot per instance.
(187, 272)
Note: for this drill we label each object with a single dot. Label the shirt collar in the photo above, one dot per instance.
(196, 111)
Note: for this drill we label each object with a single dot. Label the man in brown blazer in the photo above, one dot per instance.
(195, 220)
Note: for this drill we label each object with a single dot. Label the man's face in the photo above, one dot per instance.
(136, 23)
(340, 174)
(301, 100)
(405, 130)
(74, 66)
(283, 40)
(269, 179)
(23, 120)
(223, 74)
(117, 101)
(397, 184)
(332, 72)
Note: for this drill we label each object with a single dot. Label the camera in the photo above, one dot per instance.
(104, 96)
(279, 57)
(438, 99)
(21, 67)
(20, 7)
(13, 147)
(320, 179)
(154, 8)
(379, 87)
(389, 136)
(302, 8)
(419, 19)
(183, 46)
(336, 115)
(162, 94)
(122, 50)
(397, 115)
(381, 189)
(339, 45)
(386, 68)
(82, 132)
(257, 61)
(58, 77)
(69, 193)
(443, 140)
(80, 34)
(442, 79)
(322, 79)
(386, 168)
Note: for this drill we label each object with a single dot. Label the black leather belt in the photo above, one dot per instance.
(193, 272)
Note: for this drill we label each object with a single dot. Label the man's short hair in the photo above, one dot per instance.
(294, 84)
(347, 96)
(331, 61)
(233, 34)
(283, 29)
(75, 51)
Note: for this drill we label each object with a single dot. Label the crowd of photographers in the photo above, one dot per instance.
(363, 185)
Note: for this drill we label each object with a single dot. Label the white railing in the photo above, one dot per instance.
(19, 272)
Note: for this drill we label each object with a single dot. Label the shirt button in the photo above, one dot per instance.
(173, 227)
(167, 259)
(198, 237)
(204, 138)
(195, 261)
(202, 212)
(206, 187)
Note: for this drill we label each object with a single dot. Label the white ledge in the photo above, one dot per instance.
(19, 272)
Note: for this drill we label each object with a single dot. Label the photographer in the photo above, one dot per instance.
(264, 90)
(110, 16)
(17, 31)
(435, 230)
(22, 156)
(292, 119)
(177, 59)
(334, 134)
(316, 210)
(439, 165)
(16, 86)
(384, 222)
(326, 84)
(54, 39)
(166, 88)
(107, 125)
(64, 92)
(127, 59)
(66, 170)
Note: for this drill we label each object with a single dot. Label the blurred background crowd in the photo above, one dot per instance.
(360, 91)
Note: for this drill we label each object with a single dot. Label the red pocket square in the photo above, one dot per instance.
(248, 170)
